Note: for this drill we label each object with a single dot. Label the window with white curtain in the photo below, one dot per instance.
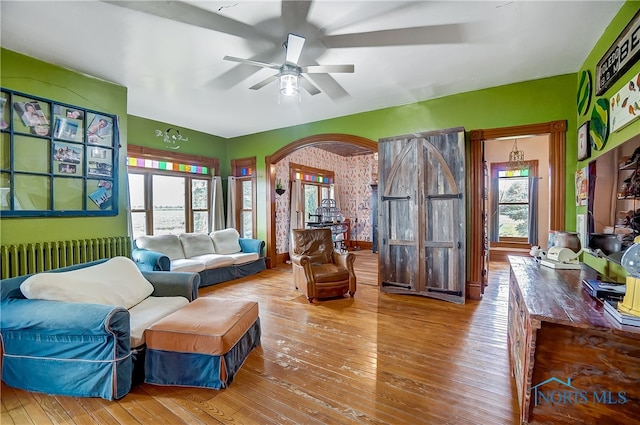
(244, 171)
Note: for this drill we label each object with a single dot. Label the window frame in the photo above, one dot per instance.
(496, 167)
(244, 169)
(311, 177)
(148, 173)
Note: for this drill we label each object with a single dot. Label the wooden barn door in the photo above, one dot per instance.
(422, 214)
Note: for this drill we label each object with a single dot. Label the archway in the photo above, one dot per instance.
(270, 161)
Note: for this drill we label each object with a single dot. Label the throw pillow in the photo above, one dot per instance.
(226, 241)
(117, 282)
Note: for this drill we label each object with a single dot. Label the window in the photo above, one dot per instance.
(511, 212)
(244, 172)
(316, 185)
(168, 195)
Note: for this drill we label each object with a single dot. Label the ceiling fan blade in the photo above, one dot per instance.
(240, 72)
(294, 48)
(329, 86)
(319, 69)
(434, 34)
(308, 86)
(192, 15)
(251, 62)
(264, 82)
(294, 12)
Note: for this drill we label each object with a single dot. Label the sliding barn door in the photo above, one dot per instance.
(422, 214)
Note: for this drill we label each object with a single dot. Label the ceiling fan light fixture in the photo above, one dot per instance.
(289, 83)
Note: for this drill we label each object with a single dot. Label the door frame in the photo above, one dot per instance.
(556, 131)
(270, 173)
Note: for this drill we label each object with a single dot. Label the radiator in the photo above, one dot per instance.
(22, 259)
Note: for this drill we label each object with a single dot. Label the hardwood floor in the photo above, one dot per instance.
(373, 359)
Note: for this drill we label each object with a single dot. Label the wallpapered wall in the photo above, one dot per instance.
(353, 189)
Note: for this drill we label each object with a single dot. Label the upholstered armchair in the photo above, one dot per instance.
(318, 270)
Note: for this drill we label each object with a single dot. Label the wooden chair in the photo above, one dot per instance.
(318, 270)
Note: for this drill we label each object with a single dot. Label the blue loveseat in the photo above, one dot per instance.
(218, 257)
(93, 345)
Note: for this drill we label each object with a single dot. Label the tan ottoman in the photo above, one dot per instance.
(203, 344)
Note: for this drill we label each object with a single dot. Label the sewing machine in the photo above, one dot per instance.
(561, 258)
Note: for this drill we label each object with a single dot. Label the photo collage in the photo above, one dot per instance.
(82, 145)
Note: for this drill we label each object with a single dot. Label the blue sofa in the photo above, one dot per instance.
(79, 348)
(217, 257)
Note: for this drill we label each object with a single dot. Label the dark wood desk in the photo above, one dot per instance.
(564, 349)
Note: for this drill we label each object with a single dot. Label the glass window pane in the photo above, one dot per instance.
(139, 223)
(31, 154)
(5, 188)
(4, 151)
(32, 192)
(513, 190)
(246, 223)
(199, 194)
(67, 194)
(201, 221)
(325, 192)
(513, 221)
(247, 195)
(67, 159)
(168, 205)
(136, 191)
(310, 198)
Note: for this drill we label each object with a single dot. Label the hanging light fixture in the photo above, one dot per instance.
(516, 156)
(289, 80)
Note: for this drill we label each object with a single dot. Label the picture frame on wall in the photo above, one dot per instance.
(584, 145)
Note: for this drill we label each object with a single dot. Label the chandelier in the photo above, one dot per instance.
(516, 156)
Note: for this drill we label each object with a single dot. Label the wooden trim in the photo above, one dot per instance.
(299, 168)
(150, 153)
(270, 172)
(556, 130)
(236, 166)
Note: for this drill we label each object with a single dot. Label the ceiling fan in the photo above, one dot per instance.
(290, 73)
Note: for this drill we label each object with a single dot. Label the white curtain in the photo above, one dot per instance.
(334, 193)
(231, 202)
(129, 218)
(216, 219)
(296, 214)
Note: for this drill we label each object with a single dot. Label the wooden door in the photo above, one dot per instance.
(422, 214)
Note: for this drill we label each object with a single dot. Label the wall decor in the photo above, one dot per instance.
(624, 52)
(172, 137)
(599, 125)
(582, 186)
(58, 160)
(584, 92)
(584, 145)
(625, 105)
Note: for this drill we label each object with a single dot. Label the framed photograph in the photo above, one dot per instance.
(99, 169)
(100, 130)
(584, 145)
(66, 129)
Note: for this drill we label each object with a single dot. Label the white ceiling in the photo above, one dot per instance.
(174, 70)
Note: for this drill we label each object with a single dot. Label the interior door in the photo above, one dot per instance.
(422, 214)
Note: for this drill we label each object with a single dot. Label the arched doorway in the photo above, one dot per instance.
(270, 161)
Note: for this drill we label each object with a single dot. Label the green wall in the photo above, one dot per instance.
(145, 132)
(617, 25)
(530, 102)
(34, 77)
